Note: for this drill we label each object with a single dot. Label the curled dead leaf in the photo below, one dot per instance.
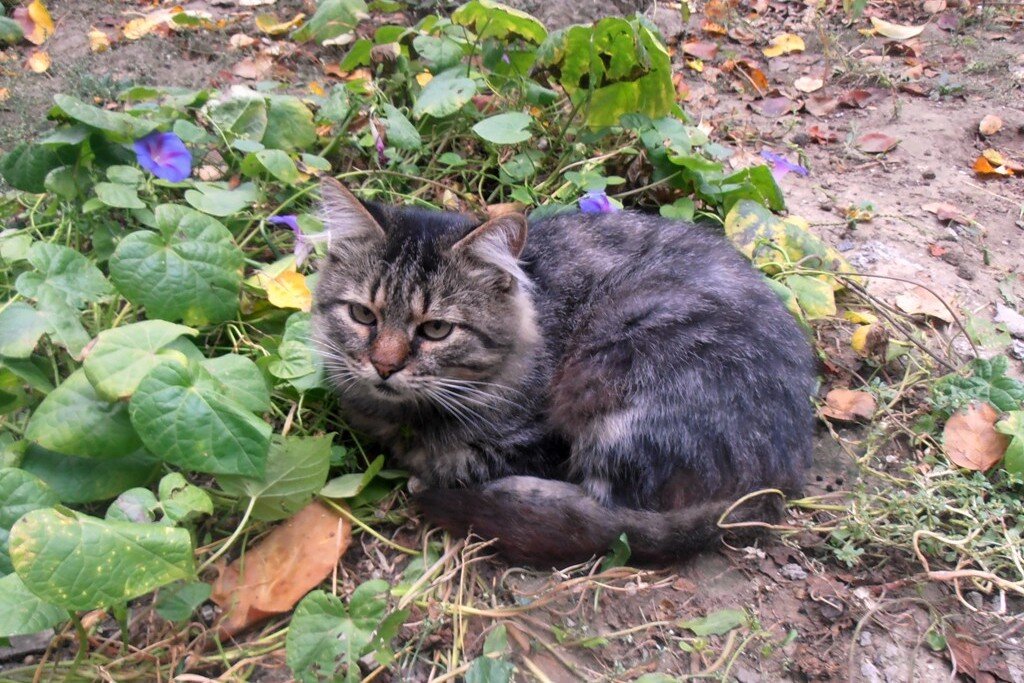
(274, 575)
(876, 142)
(39, 61)
(990, 125)
(36, 23)
(920, 302)
(947, 212)
(870, 341)
(808, 84)
(934, 6)
(895, 31)
(821, 133)
(775, 107)
(272, 26)
(970, 438)
(846, 405)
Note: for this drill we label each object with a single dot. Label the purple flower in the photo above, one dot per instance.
(596, 201)
(505, 58)
(165, 156)
(303, 244)
(780, 165)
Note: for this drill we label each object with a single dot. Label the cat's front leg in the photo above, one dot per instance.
(451, 465)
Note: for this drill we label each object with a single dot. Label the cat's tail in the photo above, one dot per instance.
(547, 522)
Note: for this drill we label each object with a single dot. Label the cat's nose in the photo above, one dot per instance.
(385, 369)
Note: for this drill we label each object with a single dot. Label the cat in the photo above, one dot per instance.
(556, 384)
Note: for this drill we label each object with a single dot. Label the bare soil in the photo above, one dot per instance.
(846, 624)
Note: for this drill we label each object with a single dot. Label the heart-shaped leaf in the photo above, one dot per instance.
(124, 126)
(188, 271)
(401, 133)
(87, 480)
(81, 562)
(121, 357)
(217, 199)
(444, 95)
(63, 274)
(289, 124)
(505, 129)
(238, 377)
(182, 417)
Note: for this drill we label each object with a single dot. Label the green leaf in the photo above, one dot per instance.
(680, 210)
(11, 32)
(134, 505)
(444, 95)
(439, 52)
(351, 485)
(123, 126)
(275, 162)
(988, 382)
(29, 372)
(26, 166)
(240, 117)
(401, 133)
(618, 554)
(21, 326)
(816, 297)
(358, 55)
(332, 19)
(716, 623)
(178, 602)
(488, 670)
(296, 469)
(22, 613)
(182, 501)
(289, 124)
(495, 20)
(74, 420)
(188, 271)
(326, 640)
(121, 357)
(119, 196)
(64, 324)
(20, 493)
(297, 362)
(125, 175)
(217, 199)
(505, 129)
(182, 420)
(238, 377)
(81, 562)
(86, 480)
(1013, 426)
(63, 273)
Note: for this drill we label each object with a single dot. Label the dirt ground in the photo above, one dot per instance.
(847, 624)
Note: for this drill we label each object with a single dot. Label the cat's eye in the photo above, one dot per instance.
(436, 330)
(361, 314)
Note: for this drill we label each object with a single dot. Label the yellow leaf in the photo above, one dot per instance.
(5, 93)
(43, 23)
(139, 28)
(861, 317)
(316, 89)
(695, 64)
(39, 61)
(98, 41)
(895, 31)
(784, 43)
(272, 26)
(424, 78)
(287, 289)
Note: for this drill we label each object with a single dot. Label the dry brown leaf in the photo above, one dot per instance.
(709, 26)
(701, 49)
(36, 23)
(895, 31)
(141, 27)
(919, 301)
(858, 98)
(39, 61)
(821, 105)
(997, 159)
(98, 41)
(948, 212)
(847, 405)
(240, 40)
(990, 125)
(775, 107)
(870, 341)
(5, 94)
(934, 6)
(274, 575)
(784, 43)
(808, 84)
(970, 438)
(876, 142)
(253, 68)
(983, 166)
(821, 133)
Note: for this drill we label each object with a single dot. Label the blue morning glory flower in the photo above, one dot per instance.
(596, 201)
(164, 155)
(303, 244)
(780, 165)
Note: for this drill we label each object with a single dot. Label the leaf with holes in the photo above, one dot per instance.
(81, 562)
(188, 271)
(183, 418)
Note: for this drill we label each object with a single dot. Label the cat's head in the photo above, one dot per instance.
(420, 306)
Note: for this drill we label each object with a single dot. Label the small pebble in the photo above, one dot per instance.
(965, 271)
(802, 139)
(928, 175)
(1017, 349)
(793, 572)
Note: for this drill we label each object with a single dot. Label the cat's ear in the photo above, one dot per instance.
(345, 218)
(499, 243)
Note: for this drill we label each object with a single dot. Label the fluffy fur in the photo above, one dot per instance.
(603, 373)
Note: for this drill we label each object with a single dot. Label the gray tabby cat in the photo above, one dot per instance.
(607, 374)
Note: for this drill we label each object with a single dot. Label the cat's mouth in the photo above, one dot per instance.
(385, 389)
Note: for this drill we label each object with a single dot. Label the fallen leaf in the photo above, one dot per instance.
(274, 575)
(253, 68)
(870, 341)
(784, 43)
(937, 251)
(39, 61)
(143, 26)
(98, 41)
(983, 166)
(970, 438)
(821, 105)
(948, 21)
(1010, 319)
(272, 26)
(316, 89)
(287, 289)
(775, 106)
(990, 125)
(808, 84)
(36, 23)
(709, 26)
(822, 134)
(860, 317)
(240, 40)
(858, 98)
(948, 212)
(5, 94)
(895, 31)
(997, 159)
(934, 6)
(701, 49)
(920, 302)
(209, 173)
(876, 142)
(847, 405)
(695, 64)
